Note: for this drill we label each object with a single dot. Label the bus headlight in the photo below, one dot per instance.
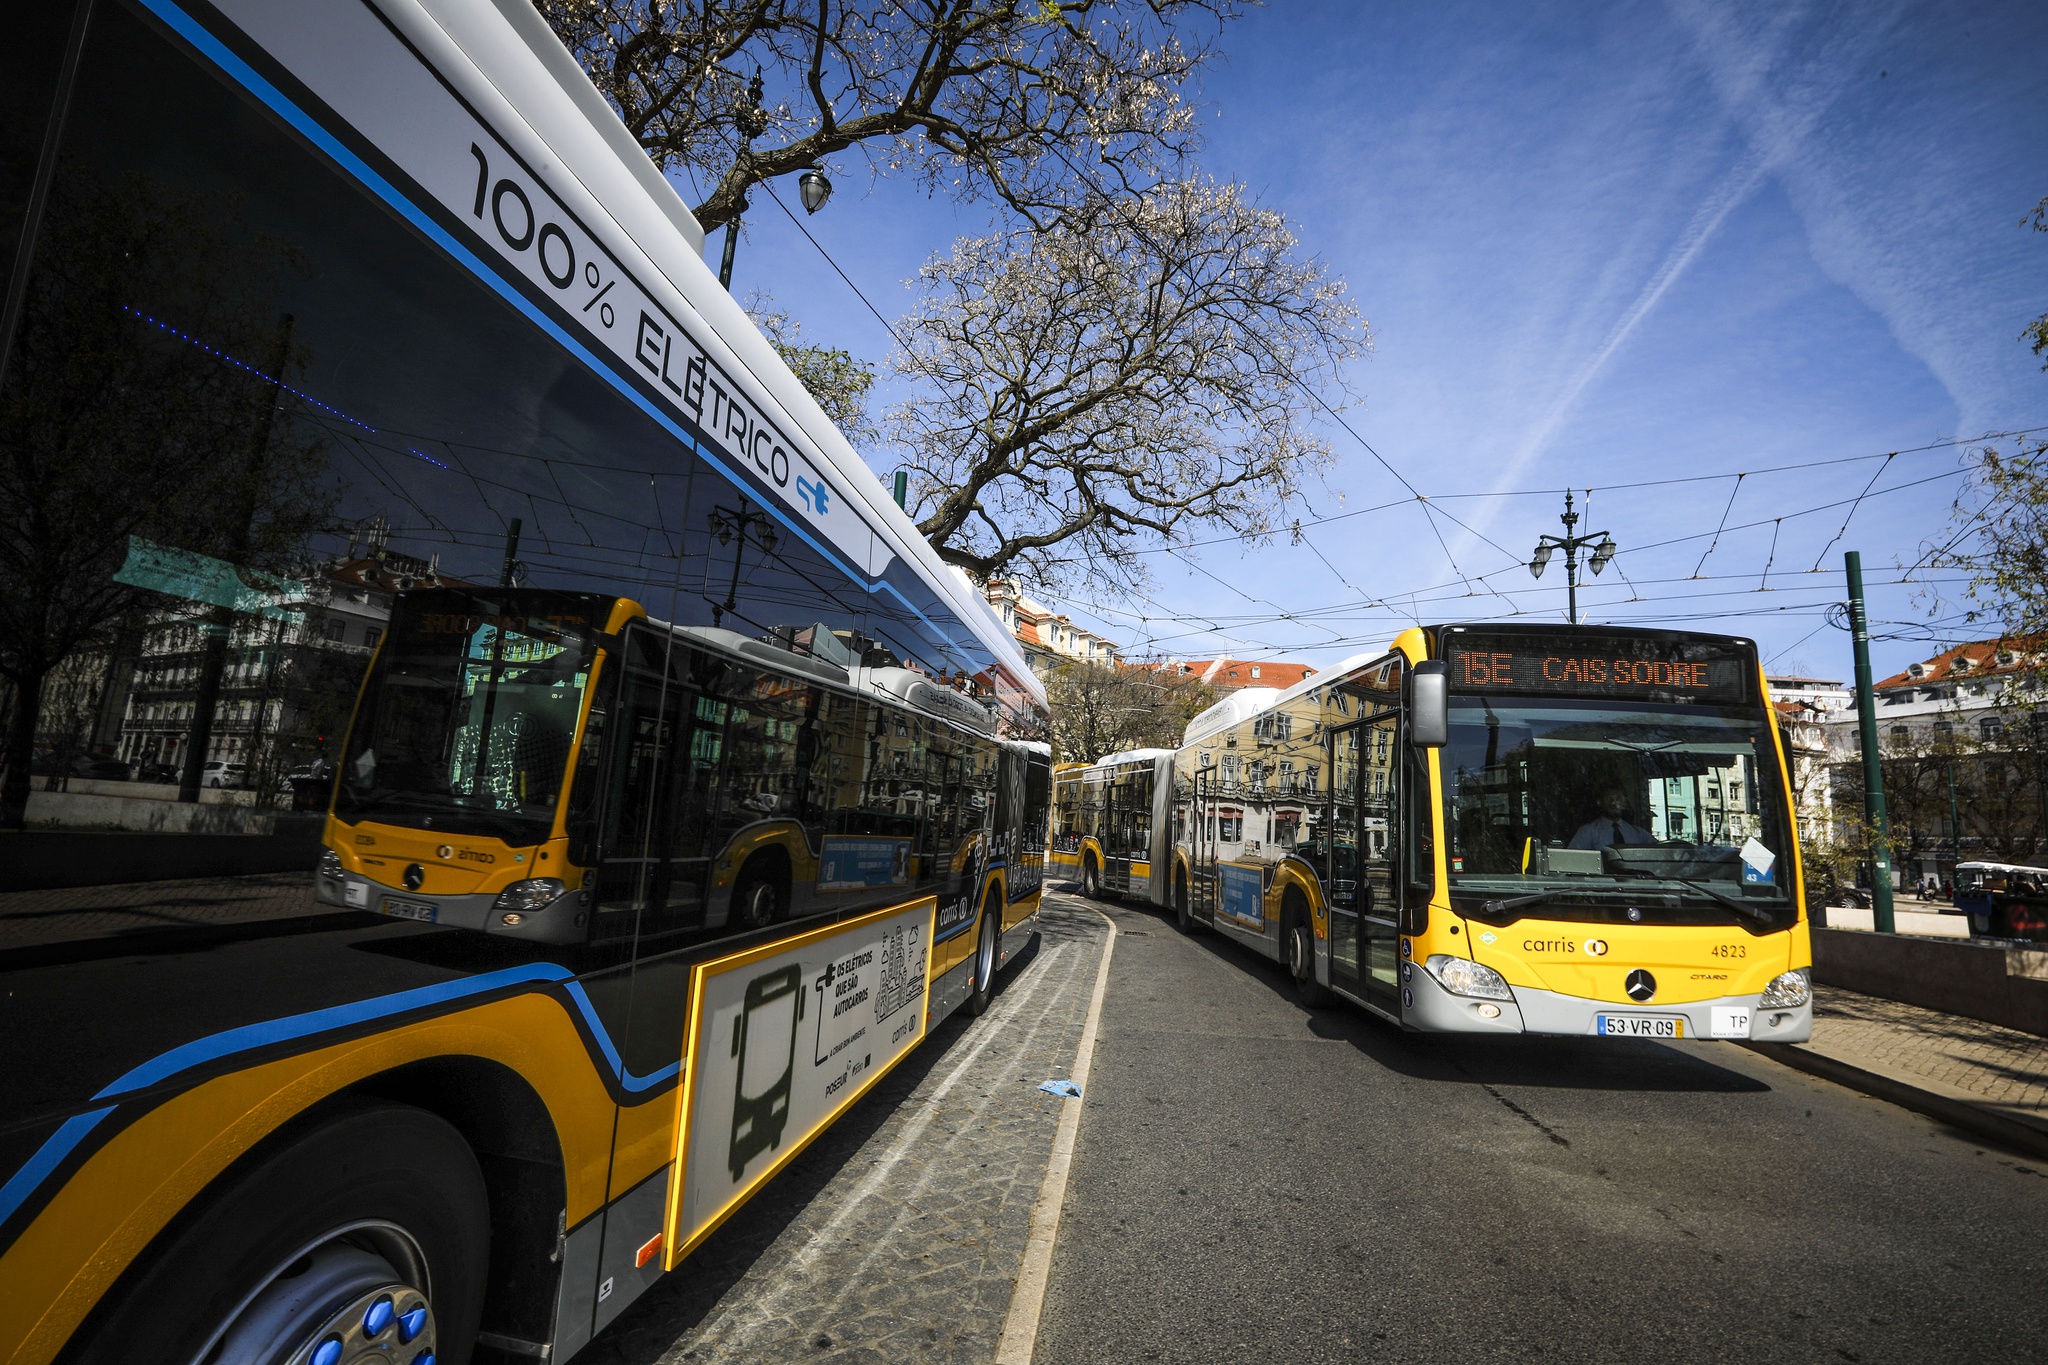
(1788, 991)
(1463, 976)
(330, 865)
(535, 893)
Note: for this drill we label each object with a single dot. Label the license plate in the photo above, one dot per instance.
(1639, 1025)
(399, 909)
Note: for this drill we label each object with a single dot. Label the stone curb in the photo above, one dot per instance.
(1971, 1118)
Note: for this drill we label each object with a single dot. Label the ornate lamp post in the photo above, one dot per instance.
(729, 526)
(1603, 551)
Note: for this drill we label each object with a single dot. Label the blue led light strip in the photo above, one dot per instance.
(300, 394)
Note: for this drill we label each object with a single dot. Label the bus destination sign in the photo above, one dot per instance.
(1593, 666)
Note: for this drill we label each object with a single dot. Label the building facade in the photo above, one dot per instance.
(1961, 744)
(1049, 638)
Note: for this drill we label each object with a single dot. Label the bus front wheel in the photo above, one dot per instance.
(370, 1232)
(1183, 906)
(1091, 879)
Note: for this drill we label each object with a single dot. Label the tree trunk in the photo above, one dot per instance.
(21, 747)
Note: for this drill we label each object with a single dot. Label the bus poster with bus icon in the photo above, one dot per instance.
(782, 1038)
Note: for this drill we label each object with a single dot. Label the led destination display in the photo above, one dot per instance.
(1593, 666)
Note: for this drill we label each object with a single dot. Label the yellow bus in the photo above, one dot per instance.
(638, 869)
(1104, 816)
(1502, 829)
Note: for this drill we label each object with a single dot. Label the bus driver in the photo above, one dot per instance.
(1609, 828)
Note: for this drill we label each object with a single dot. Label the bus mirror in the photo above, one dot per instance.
(1429, 704)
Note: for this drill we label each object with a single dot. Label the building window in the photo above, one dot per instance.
(337, 629)
(1255, 670)
(371, 636)
(1900, 734)
(1991, 729)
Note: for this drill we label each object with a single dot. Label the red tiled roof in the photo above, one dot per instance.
(1228, 674)
(1981, 657)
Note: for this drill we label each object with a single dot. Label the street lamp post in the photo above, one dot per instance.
(728, 526)
(1603, 551)
(813, 186)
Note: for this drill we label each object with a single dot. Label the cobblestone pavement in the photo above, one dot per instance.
(897, 1236)
(31, 918)
(1999, 1068)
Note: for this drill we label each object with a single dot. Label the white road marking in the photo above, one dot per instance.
(1027, 1300)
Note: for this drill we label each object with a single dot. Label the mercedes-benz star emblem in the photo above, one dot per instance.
(415, 874)
(1640, 986)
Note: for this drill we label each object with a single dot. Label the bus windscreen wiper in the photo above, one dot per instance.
(1739, 906)
(1517, 902)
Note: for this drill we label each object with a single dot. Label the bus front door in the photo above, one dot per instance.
(1364, 909)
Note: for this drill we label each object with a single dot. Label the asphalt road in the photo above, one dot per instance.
(1255, 1181)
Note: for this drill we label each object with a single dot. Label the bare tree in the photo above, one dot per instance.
(834, 377)
(113, 424)
(1118, 379)
(1100, 709)
(996, 99)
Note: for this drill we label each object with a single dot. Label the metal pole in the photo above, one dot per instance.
(1955, 826)
(1873, 766)
(511, 555)
(902, 487)
(732, 237)
(1571, 578)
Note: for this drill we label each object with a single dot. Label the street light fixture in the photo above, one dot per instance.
(1604, 550)
(814, 187)
(728, 525)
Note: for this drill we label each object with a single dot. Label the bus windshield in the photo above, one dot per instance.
(1615, 811)
(466, 721)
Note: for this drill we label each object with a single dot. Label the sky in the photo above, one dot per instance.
(1733, 255)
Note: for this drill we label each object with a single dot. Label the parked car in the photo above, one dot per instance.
(221, 773)
(158, 772)
(101, 766)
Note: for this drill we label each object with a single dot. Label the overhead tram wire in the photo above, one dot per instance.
(1429, 509)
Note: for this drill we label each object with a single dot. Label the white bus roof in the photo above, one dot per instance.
(502, 60)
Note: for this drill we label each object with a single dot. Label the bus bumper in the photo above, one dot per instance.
(1721, 1017)
(1427, 1006)
(566, 919)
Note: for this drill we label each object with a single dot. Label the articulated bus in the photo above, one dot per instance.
(1492, 829)
(638, 870)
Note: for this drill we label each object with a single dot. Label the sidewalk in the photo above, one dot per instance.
(1980, 1077)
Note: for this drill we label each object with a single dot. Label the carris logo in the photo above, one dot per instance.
(444, 851)
(1596, 947)
(1549, 945)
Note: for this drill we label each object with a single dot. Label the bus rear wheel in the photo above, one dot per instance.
(985, 945)
(367, 1235)
(1298, 943)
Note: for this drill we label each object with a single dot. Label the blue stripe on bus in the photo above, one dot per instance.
(53, 1151)
(240, 71)
(298, 1026)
